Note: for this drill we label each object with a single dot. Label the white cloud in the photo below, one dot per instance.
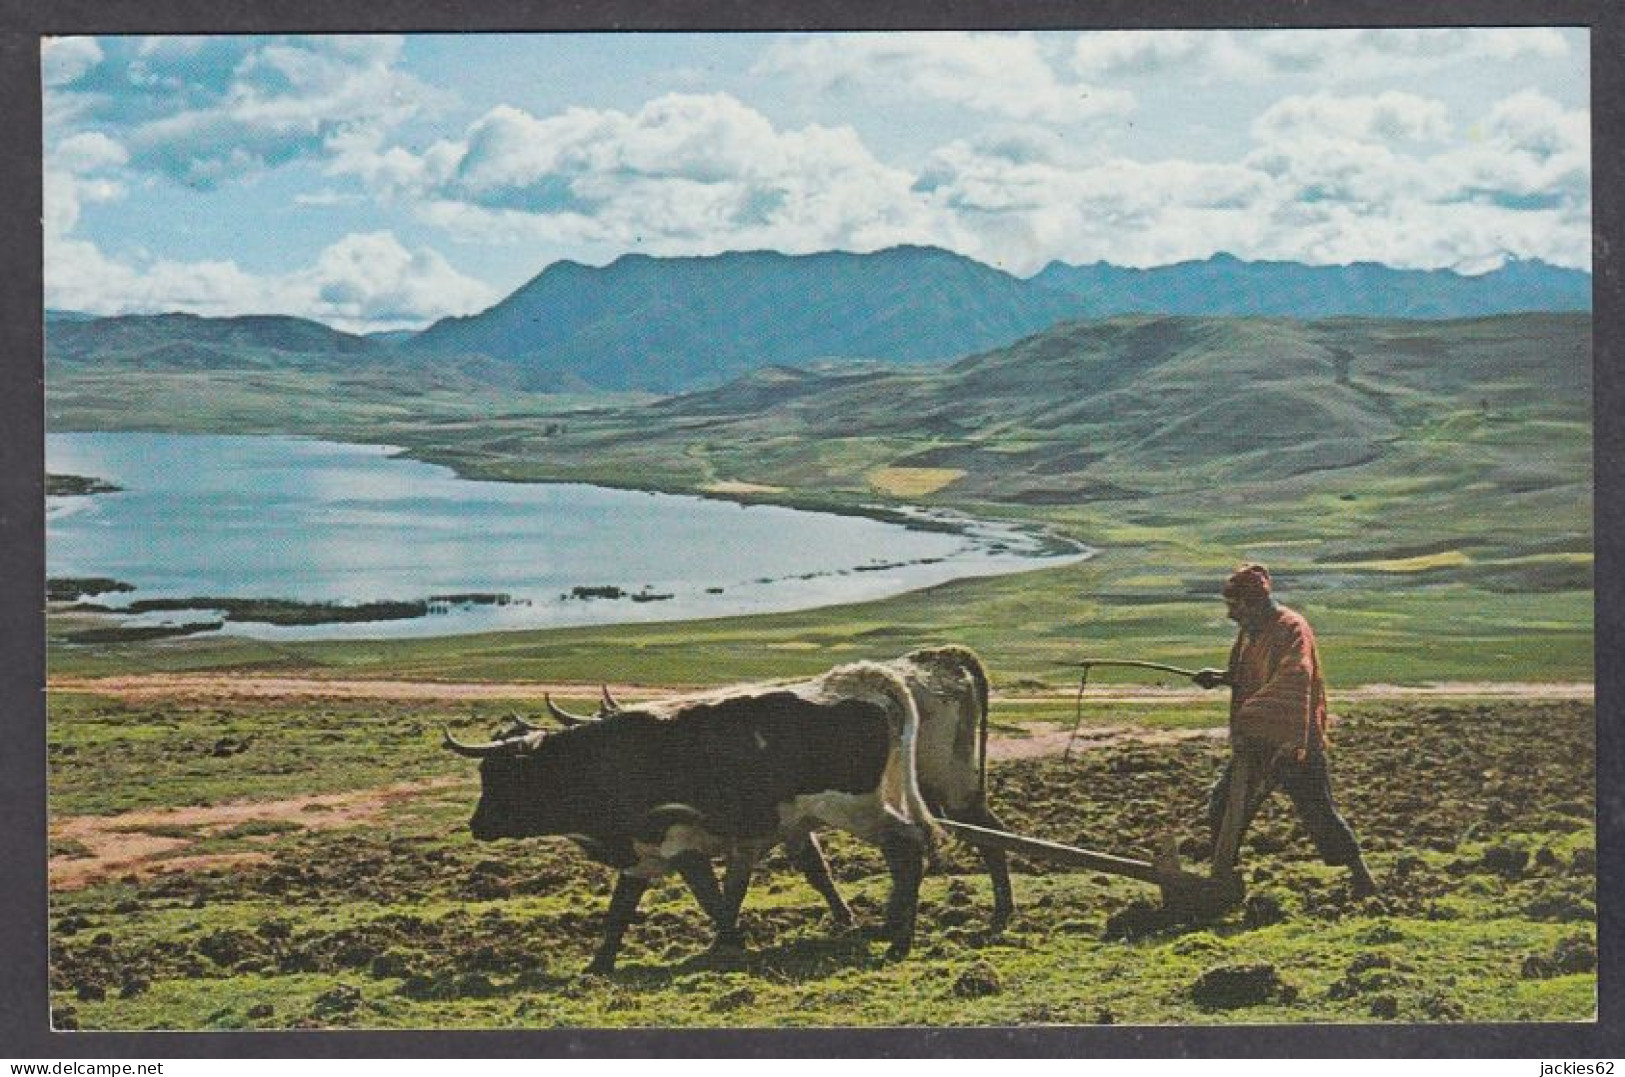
(1000, 74)
(206, 110)
(1128, 53)
(1385, 118)
(1329, 180)
(1533, 123)
(88, 151)
(1332, 56)
(360, 283)
(76, 173)
(66, 59)
(684, 174)
(372, 280)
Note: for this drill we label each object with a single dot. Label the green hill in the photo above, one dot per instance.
(179, 341)
(1171, 402)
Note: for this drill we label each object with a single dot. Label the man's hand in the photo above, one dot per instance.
(1211, 678)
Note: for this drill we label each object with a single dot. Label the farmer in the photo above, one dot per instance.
(1278, 714)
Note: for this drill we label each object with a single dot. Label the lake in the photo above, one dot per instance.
(230, 516)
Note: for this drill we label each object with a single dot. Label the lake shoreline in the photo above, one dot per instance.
(989, 548)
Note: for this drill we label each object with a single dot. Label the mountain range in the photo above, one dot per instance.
(1225, 284)
(667, 325)
(664, 324)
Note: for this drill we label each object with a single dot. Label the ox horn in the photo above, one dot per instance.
(564, 717)
(610, 704)
(526, 725)
(472, 751)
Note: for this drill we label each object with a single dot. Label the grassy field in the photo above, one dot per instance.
(375, 909)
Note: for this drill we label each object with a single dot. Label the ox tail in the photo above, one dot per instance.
(913, 799)
(978, 676)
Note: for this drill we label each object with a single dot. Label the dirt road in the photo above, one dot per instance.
(143, 842)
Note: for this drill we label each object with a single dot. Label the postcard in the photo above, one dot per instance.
(834, 529)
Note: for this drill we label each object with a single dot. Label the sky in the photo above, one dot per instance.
(382, 182)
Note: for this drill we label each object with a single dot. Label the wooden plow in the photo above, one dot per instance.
(1184, 893)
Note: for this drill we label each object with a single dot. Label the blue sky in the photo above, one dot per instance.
(377, 182)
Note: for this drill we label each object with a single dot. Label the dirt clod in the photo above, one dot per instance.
(1574, 954)
(732, 1000)
(1384, 1007)
(1229, 987)
(1440, 1007)
(1137, 920)
(1507, 861)
(1262, 910)
(978, 980)
(340, 1000)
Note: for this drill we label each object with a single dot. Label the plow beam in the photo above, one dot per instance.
(1182, 891)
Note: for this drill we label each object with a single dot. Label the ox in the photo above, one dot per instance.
(950, 689)
(653, 789)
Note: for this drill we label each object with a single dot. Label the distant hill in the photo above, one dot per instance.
(53, 316)
(1101, 409)
(666, 324)
(391, 336)
(171, 341)
(1224, 284)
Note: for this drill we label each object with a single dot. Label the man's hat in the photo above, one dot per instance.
(1249, 583)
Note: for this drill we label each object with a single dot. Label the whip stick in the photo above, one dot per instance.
(1088, 662)
(1083, 682)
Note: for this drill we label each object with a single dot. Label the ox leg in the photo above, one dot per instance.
(623, 906)
(998, 864)
(903, 845)
(808, 856)
(741, 862)
(695, 868)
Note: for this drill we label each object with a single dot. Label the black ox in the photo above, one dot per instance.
(661, 789)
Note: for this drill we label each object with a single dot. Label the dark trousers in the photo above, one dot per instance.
(1309, 785)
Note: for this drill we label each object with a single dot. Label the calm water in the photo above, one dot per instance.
(279, 517)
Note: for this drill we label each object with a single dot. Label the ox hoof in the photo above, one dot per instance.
(843, 919)
(726, 953)
(898, 951)
(600, 966)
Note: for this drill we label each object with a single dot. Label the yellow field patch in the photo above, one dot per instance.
(912, 481)
(734, 486)
(1444, 559)
(1571, 558)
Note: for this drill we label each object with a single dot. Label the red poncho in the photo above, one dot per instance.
(1277, 691)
